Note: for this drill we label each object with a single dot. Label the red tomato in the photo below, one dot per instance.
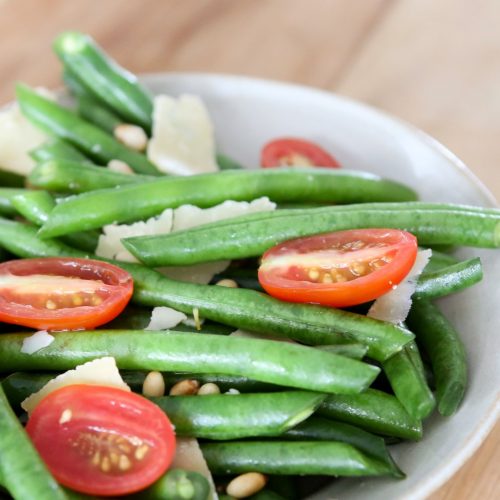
(62, 293)
(102, 440)
(338, 269)
(295, 153)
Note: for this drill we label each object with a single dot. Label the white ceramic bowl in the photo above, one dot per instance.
(249, 112)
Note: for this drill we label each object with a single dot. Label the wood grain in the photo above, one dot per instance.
(435, 64)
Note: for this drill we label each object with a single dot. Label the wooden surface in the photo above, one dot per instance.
(435, 63)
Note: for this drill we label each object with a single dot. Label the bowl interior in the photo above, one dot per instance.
(247, 113)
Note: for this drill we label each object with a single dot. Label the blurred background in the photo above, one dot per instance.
(434, 63)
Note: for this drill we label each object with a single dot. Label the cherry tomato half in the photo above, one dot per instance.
(102, 440)
(62, 293)
(338, 269)
(291, 152)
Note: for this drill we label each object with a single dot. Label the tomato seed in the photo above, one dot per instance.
(141, 452)
(124, 463)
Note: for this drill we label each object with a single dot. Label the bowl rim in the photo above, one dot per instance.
(481, 430)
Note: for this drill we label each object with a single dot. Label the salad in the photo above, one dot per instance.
(153, 270)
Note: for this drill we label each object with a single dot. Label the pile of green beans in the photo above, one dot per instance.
(327, 403)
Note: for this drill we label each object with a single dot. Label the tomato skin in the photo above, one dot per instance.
(49, 303)
(282, 275)
(281, 152)
(82, 433)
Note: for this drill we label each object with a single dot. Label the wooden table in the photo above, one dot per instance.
(434, 63)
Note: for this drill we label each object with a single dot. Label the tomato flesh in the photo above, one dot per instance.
(62, 293)
(291, 152)
(102, 440)
(338, 269)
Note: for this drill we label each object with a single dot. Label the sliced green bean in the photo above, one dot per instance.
(6, 195)
(35, 207)
(251, 236)
(57, 149)
(409, 384)
(64, 124)
(318, 428)
(73, 177)
(280, 184)
(446, 352)
(112, 84)
(450, 279)
(289, 457)
(287, 364)
(227, 163)
(374, 411)
(176, 484)
(245, 309)
(237, 416)
(11, 179)
(21, 469)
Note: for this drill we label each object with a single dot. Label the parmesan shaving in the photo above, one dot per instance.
(395, 305)
(165, 318)
(184, 217)
(101, 371)
(183, 141)
(17, 138)
(36, 342)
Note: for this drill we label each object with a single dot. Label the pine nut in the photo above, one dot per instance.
(208, 388)
(131, 136)
(153, 385)
(120, 166)
(246, 484)
(227, 283)
(185, 388)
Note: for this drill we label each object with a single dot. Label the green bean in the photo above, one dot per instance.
(287, 364)
(266, 495)
(227, 163)
(450, 279)
(374, 411)
(112, 84)
(73, 84)
(446, 352)
(439, 260)
(35, 207)
(64, 124)
(176, 484)
(353, 350)
(409, 384)
(280, 184)
(11, 179)
(318, 428)
(251, 236)
(57, 149)
(19, 385)
(22, 471)
(289, 457)
(237, 416)
(245, 309)
(94, 112)
(73, 177)
(6, 195)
